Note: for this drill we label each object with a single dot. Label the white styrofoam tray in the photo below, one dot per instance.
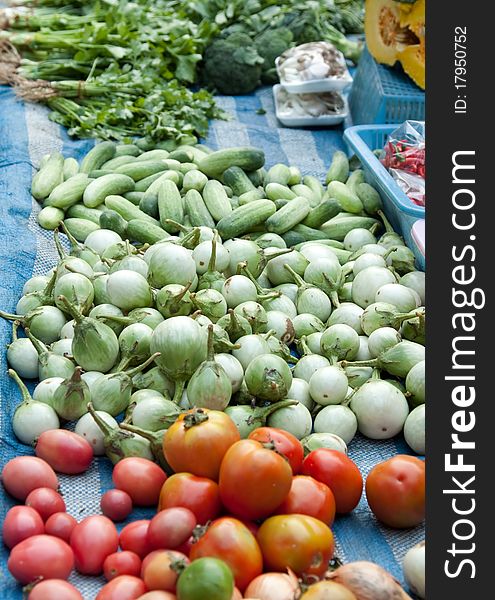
(322, 121)
(328, 84)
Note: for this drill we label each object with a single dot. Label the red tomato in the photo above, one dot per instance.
(141, 478)
(121, 563)
(185, 548)
(231, 541)
(197, 442)
(41, 556)
(285, 443)
(24, 474)
(309, 497)
(339, 473)
(254, 480)
(198, 494)
(159, 570)
(116, 505)
(124, 587)
(51, 589)
(302, 543)
(60, 525)
(46, 502)
(21, 522)
(170, 528)
(65, 451)
(395, 490)
(134, 537)
(93, 539)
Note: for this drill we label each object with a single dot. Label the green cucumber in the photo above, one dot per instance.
(327, 209)
(279, 173)
(280, 202)
(237, 180)
(250, 196)
(186, 167)
(339, 168)
(277, 191)
(194, 180)
(144, 184)
(197, 210)
(370, 198)
(134, 197)
(108, 185)
(338, 228)
(69, 192)
(310, 234)
(149, 205)
(292, 238)
(234, 202)
(170, 205)
(97, 156)
(110, 219)
(99, 173)
(314, 184)
(216, 163)
(295, 176)
(303, 190)
(127, 209)
(138, 170)
(71, 168)
(79, 211)
(127, 150)
(49, 177)
(80, 228)
(257, 177)
(50, 217)
(216, 200)
(355, 178)
(340, 253)
(196, 151)
(228, 190)
(118, 161)
(245, 218)
(145, 232)
(157, 154)
(44, 159)
(345, 197)
(183, 155)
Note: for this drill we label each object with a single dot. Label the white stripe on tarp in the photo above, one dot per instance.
(227, 134)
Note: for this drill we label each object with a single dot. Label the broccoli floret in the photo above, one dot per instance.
(232, 64)
(270, 45)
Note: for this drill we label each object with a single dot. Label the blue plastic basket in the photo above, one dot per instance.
(399, 209)
(382, 94)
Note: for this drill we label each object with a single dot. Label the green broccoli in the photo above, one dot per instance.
(270, 44)
(232, 65)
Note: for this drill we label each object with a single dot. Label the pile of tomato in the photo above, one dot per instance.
(228, 511)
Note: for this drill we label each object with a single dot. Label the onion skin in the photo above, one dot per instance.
(328, 590)
(273, 586)
(368, 581)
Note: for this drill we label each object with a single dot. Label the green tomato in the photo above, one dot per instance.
(206, 578)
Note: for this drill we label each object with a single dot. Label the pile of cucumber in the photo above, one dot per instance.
(146, 196)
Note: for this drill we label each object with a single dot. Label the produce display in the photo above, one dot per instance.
(395, 31)
(220, 332)
(118, 74)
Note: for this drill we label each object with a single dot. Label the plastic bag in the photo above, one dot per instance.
(404, 157)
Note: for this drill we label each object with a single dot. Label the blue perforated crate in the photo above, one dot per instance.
(400, 210)
(382, 94)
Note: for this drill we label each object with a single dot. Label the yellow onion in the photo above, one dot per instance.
(328, 590)
(368, 581)
(273, 586)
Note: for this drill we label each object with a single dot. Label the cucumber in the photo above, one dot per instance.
(71, 168)
(278, 174)
(277, 191)
(292, 238)
(354, 179)
(237, 180)
(338, 228)
(169, 145)
(257, 177)
(250, 196)
(194, 180)
(108, 185)
(327, 209)
(80, 228)
(50, 217)
(340, 253)
(228, 191)
(138, 170)
(150, 196)
(188, 140)
(314, 184)
(186, 167)
(183, 155)
(216, 200)
(310, 234)
(205, 149)
(99, 173)
(295, 176)
(234, 202)
(134, 197)
(303, 190)
(216, 163)
(97, 156)
(170, 205)
(197, 211)
(280, 203)
(345, 197)
(127, 209)
(245, 218)
(48, 177)
(339, 168)
(79, 211)
(118, 161)
(69, 192)
(149, 205)
(370, 198)
(196, 152)
(110, 219)
(157, 154)
(144, 184)
(144, 232)
(44, 159)
(127, 150)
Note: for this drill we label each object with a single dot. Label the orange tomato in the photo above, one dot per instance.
(309, 497)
